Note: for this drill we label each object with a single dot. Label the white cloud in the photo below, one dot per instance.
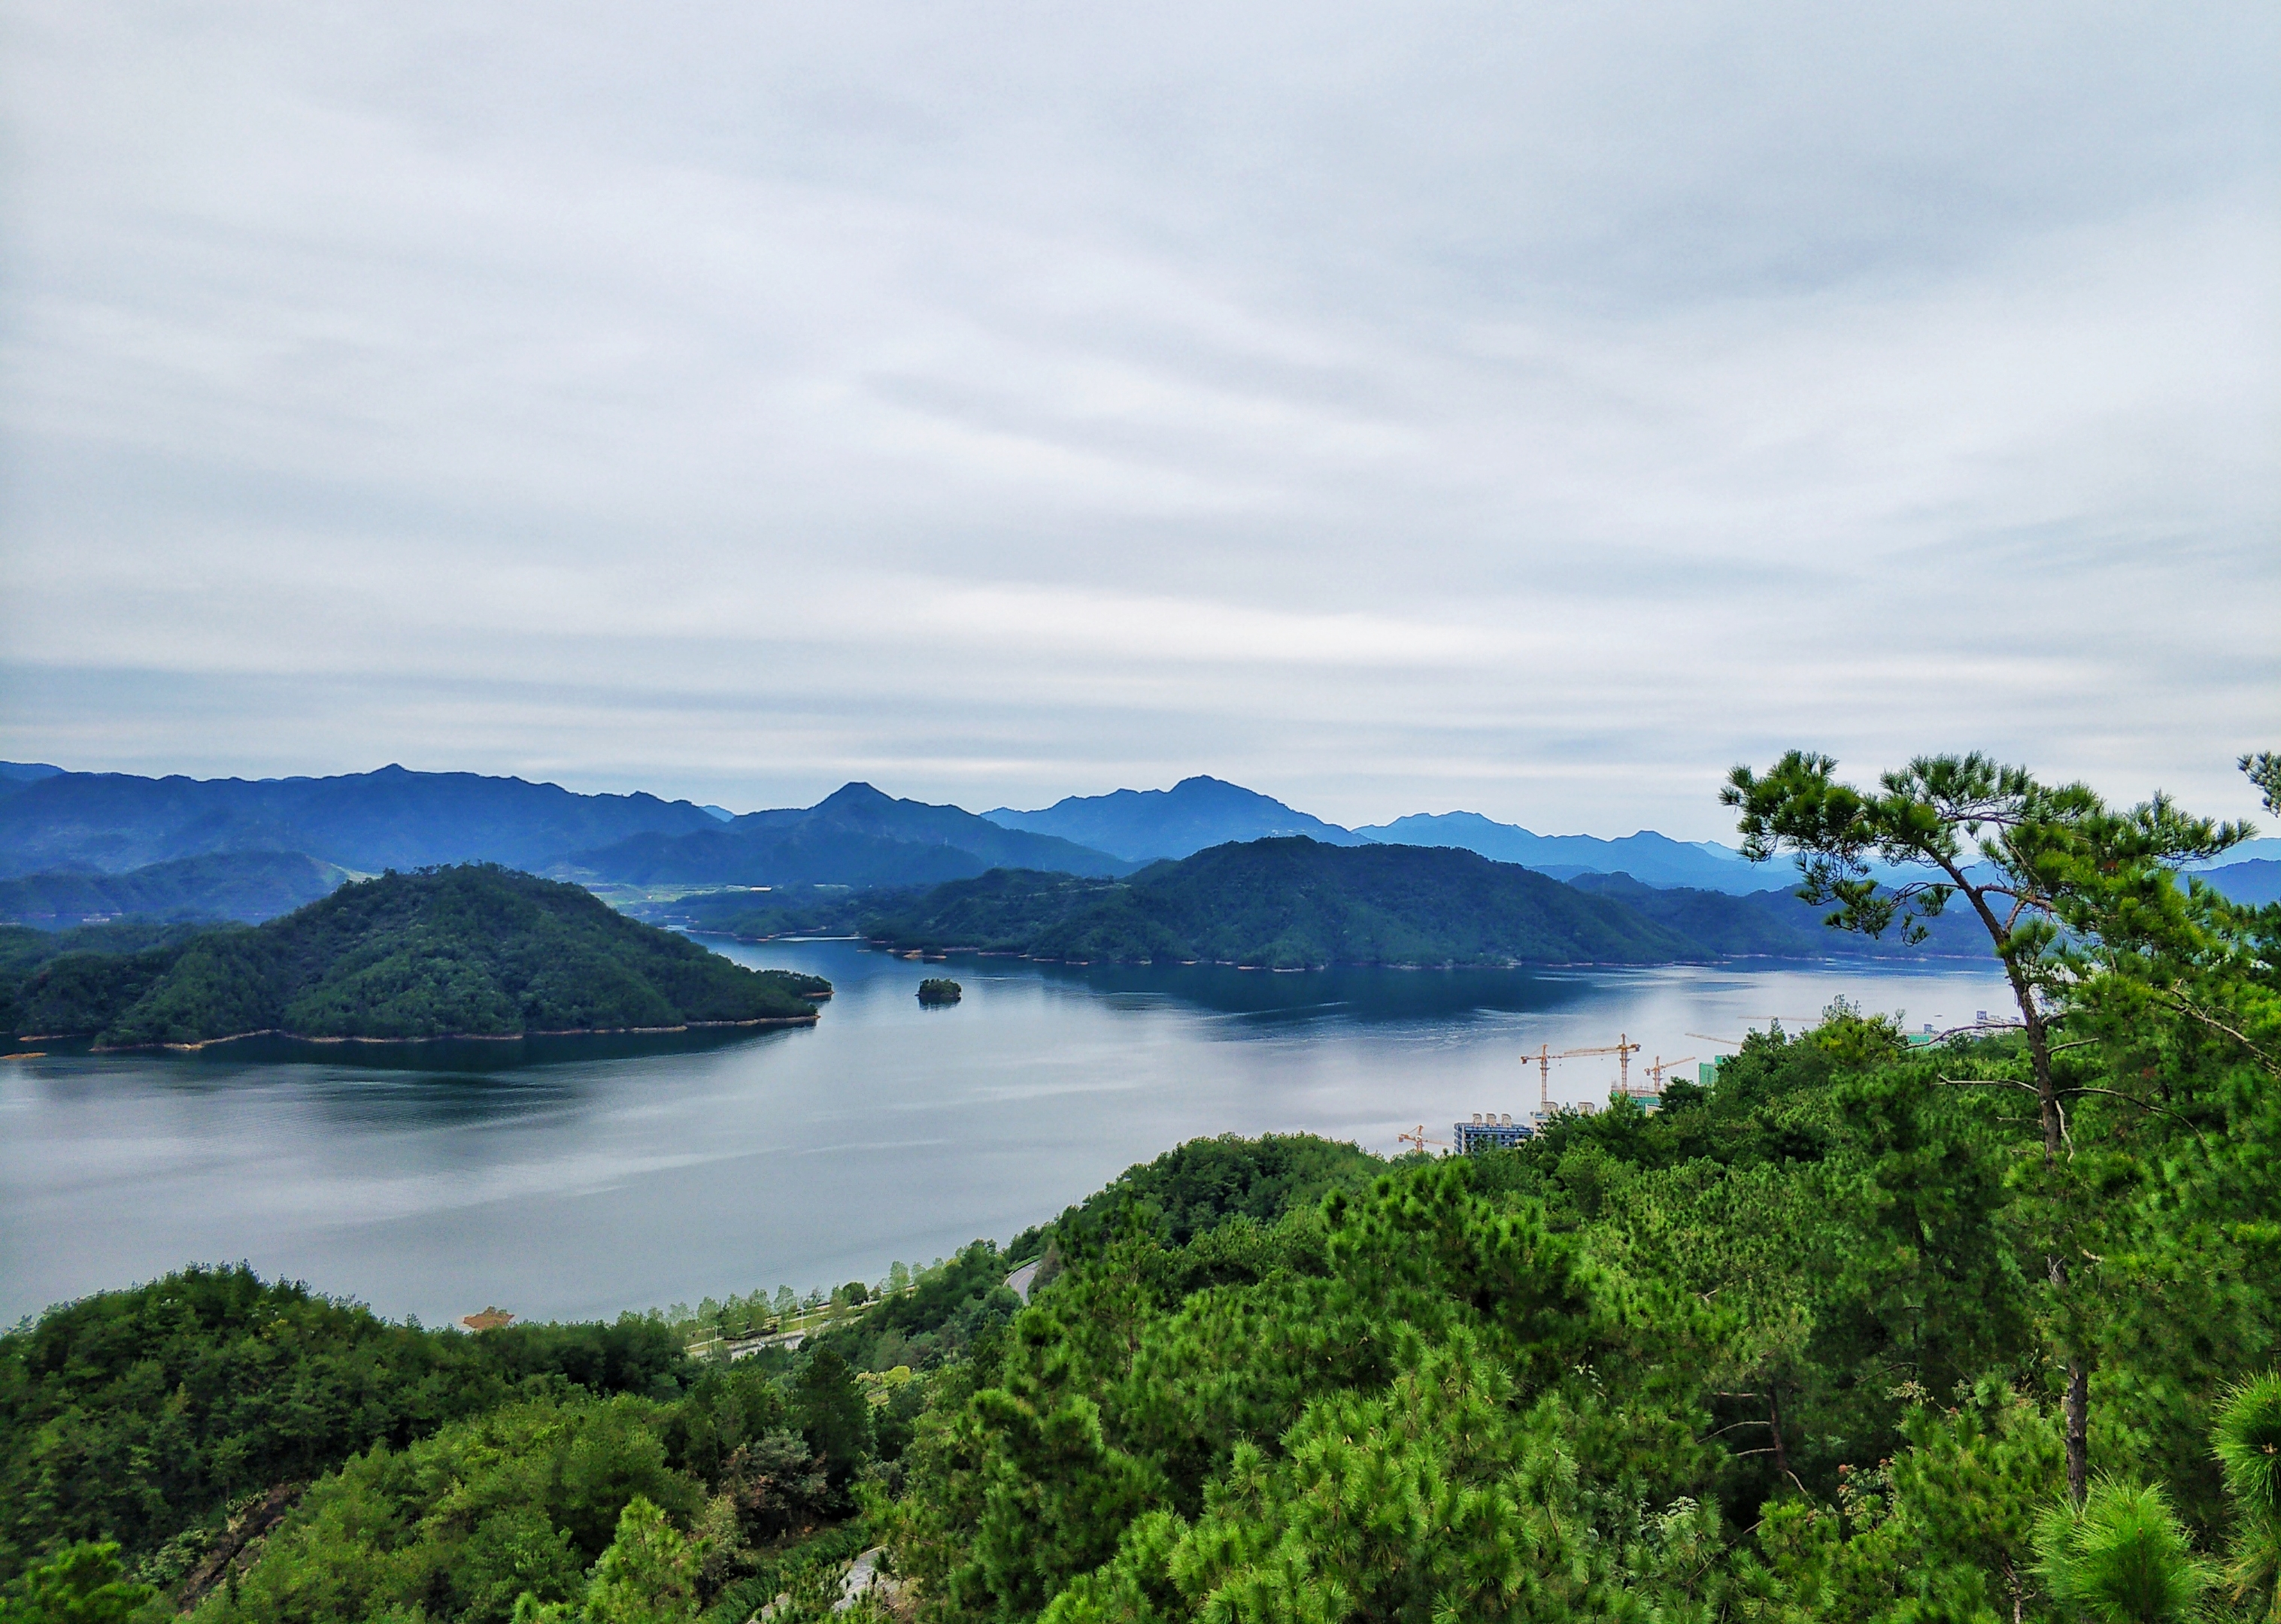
(1535, 411)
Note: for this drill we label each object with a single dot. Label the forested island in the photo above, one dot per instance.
(1293, 903)
(473, 950)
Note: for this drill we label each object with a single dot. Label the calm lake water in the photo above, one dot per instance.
(594, 1178)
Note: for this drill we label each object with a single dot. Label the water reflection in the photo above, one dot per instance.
(1343, 993)
(615, 1175)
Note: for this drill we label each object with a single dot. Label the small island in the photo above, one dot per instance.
(473, 950)
(936, 991)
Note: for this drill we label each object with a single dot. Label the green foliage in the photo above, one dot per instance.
(936, 991)
(1789, 1350)
(1780, 1352)
(801, 1581)
(940, 1318)
(2248, 1440)
(80, 1584)
(2119, 1558)
(833, 1415)
(564, 1506)
(135, 1415)
(475, 950)
(2263, 769)
(649, 1574)
(1205, 1183)
(523, 1499)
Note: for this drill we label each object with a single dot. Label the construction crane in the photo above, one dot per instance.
(1544, 1058)
(1662, 1066)
(1623, 1049)
(1420, 1141)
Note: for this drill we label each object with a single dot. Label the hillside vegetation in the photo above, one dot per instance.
(1857, 1334)
(476, 950)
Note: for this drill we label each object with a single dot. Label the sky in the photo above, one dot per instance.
(1534, 410)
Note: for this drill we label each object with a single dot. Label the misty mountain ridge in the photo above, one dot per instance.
(54, 821)
(1656, 859)
(393, 818)
(856, 836)
(248, 887)
(1143, 825)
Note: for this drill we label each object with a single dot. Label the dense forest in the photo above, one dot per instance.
(1980, 1332)
(475, 950)
(1293, 903)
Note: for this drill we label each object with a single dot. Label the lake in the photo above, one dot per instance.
(598, 1176)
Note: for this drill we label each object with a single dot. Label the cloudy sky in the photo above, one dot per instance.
(1533, 409)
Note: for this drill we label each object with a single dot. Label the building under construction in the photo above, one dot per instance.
(1489, 1131)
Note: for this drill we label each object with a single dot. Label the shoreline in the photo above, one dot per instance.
(809, 1020)
(886, 945)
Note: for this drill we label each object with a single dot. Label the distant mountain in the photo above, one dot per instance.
(2267, 850)
(474, 951)
(1292, 902)
(365, 821)
(1141, 825)
(2254, 881)
(1656, 859)
(856, 836)
(1776, 925)
(248, 886)
(16, 774)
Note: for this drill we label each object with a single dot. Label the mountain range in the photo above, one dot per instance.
(112, 822)
(251, 886)
(1143, 825)
(856, 836)
(1656, 860)
(60, 829)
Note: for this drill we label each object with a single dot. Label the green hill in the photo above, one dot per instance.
(476, 950)
(1289, 903)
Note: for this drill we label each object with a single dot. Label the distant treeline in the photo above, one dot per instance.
(1293, 903)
